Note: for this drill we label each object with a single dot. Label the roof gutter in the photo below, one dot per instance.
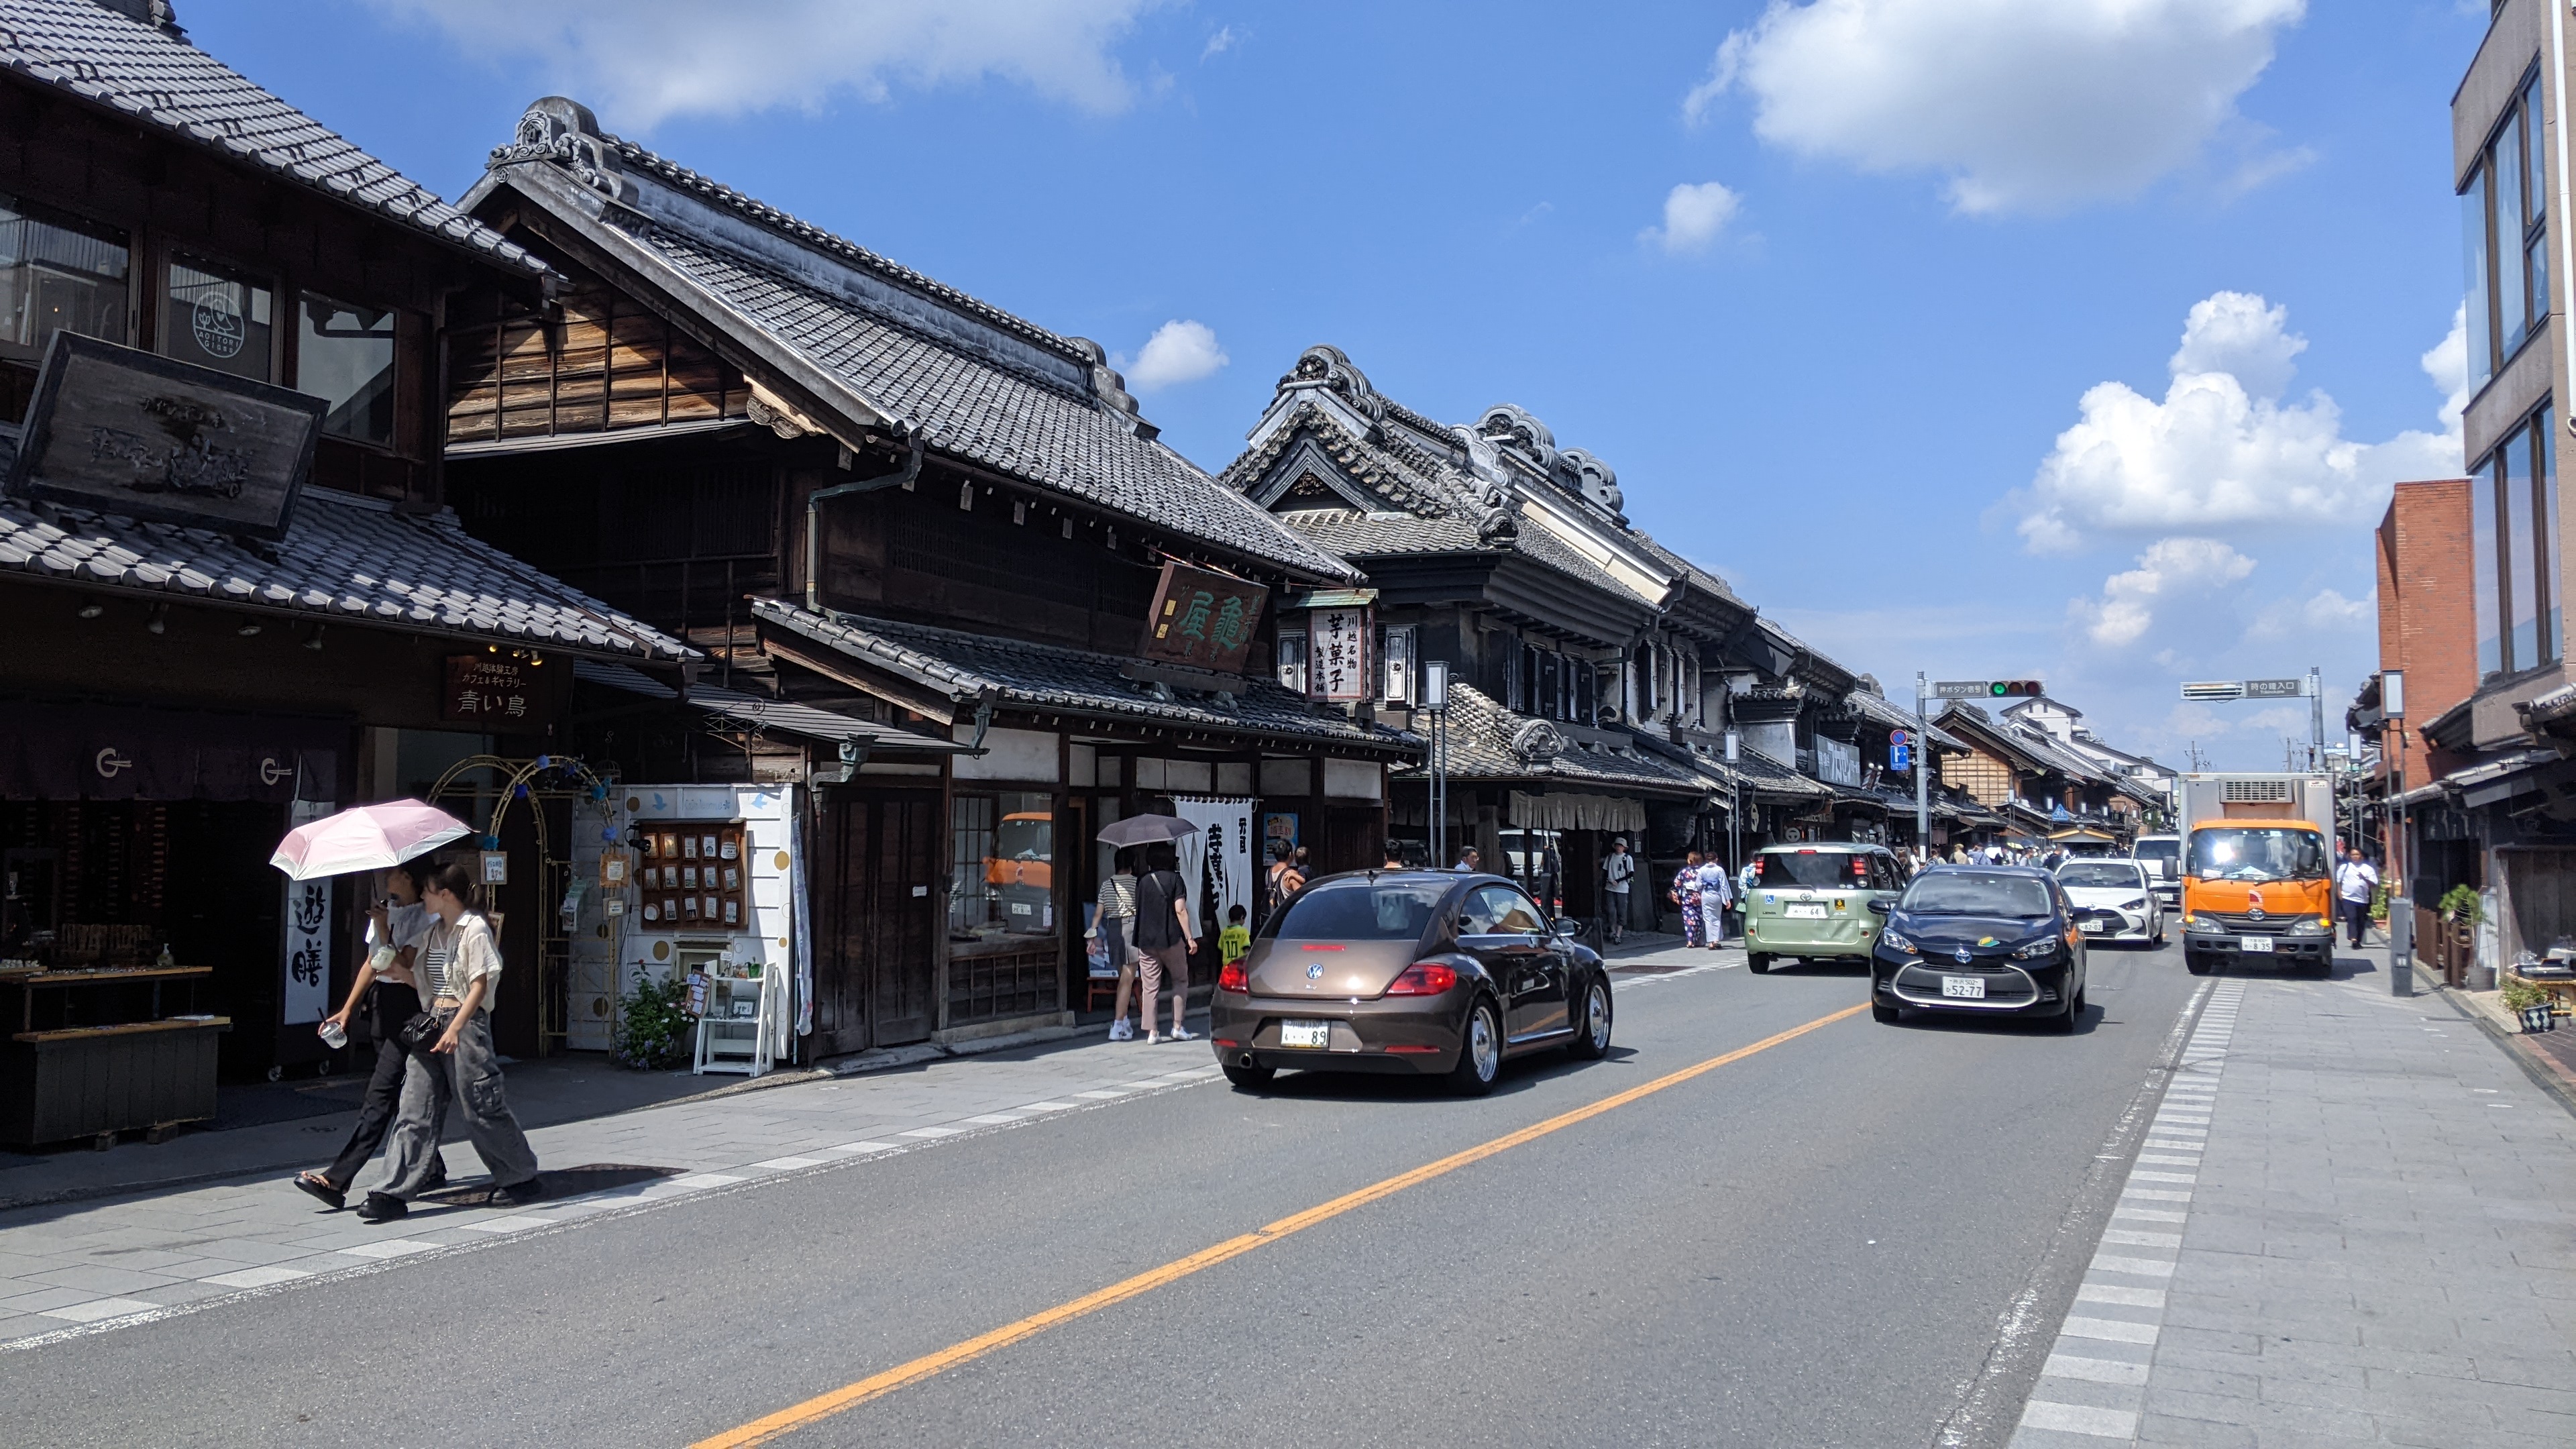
(903, 476)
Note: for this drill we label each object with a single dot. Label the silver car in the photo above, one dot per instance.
(2122, 893)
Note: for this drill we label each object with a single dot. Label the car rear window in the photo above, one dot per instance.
(2164, 857)
(2098, 873)
(1788, 869)
(1360, 910)
(1972, 893)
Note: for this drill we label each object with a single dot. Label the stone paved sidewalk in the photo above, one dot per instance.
(2353, 1222)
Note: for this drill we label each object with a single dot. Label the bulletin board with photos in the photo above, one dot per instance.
(692, 877)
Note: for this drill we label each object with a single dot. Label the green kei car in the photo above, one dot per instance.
(1812, 902)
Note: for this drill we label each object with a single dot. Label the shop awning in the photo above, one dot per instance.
(115, 752)
(1572, 810)
(947, 674)
(732, 710)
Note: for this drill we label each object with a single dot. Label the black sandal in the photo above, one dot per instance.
(328, 1195)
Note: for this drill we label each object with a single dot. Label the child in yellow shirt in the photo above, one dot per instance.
(1235, 941)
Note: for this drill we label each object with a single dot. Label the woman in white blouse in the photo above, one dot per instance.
(458, 967)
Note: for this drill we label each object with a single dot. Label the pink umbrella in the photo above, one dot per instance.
(365, 837)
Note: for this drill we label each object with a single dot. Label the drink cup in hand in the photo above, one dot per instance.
(333, 1034)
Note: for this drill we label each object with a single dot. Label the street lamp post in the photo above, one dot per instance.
(1922, 775)
(1435, 703)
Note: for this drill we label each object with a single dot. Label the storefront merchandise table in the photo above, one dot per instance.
(91, 1077)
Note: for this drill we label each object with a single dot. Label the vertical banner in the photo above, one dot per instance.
(1216, 864)
(305, 995)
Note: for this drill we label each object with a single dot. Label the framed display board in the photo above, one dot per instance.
(691, 876)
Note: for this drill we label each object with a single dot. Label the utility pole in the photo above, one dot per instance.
(2401, 906)
(1922, 774)
(2316, 718)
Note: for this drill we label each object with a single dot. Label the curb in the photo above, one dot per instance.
(2545, 1071)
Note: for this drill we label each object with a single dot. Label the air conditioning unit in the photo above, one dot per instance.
(2255, 792)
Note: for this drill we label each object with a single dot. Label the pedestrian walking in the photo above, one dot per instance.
(1684, 892)
(1117, 925)
(1617, 870)
(1716, 897)
(1164, 941)
(1470, 860)
(2355, 884)
(459, 966)
(385, 990)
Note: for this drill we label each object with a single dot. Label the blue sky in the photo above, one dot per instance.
(1916, 242)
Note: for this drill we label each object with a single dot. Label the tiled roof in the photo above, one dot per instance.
(1878, 709)
(343, 560)
(974, 408)
(1765, 776)
(158, 79)
(1052, 677)
(1481, 747)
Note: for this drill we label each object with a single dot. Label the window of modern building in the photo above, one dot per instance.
(345, 356)
(2514, 537)
(2505, 232)
(219, 317)
(2486, 551)
(57, 274)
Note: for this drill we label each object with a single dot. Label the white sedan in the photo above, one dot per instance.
(2122, 888)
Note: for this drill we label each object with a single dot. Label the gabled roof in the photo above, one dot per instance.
(874, 344)
(966, 667)
(733, 710)
(344, 560)
(151, 75)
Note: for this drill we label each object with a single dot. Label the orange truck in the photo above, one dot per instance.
(2258, 871)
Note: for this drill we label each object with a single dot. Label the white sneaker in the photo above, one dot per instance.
(1122, 1030)
(1183, 1033)
(1151, 1039)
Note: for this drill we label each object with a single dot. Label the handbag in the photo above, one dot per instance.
(417, 1034)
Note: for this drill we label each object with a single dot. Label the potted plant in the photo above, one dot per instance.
(2528, 1002)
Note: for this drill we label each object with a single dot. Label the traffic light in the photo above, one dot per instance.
(2016, 689)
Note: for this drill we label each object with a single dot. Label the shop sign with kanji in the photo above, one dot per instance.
(1203, 619)
(491, 689)
(1339, 653)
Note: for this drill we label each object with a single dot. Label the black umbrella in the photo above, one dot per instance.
(1145, 830)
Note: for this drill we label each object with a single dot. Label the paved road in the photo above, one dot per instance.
(1814, 1244)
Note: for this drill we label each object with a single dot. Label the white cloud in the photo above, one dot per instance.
(2223, 450)
(2186, 569)
(1693, 216)
(1218, 44)
(639, 62)
(1178, 352)
(2024, 105)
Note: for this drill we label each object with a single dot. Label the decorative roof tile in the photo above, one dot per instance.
(343, 559)
(1489, 742)
(157, 77)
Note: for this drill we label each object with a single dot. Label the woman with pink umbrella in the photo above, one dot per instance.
(382, 838)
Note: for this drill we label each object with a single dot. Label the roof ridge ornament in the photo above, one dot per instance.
(563, 131)
(1327, 365)
(1536, 742)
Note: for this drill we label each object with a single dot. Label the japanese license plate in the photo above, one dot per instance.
(1800, 912)
(1971, 987)
(1313, 1034)
(2259, 945)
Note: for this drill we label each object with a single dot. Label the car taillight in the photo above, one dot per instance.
(1860, 867)
(1233, 978)
(1423, 978)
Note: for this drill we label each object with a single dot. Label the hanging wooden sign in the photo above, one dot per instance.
(1203, 619)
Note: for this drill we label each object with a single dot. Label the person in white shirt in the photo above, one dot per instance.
(2355, 884)
(1716, 898)
(458, 966)
(1618, 869)
(395, 926)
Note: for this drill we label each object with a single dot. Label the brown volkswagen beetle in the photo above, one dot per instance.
(1429, 973)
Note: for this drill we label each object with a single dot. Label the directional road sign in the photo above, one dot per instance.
(2277, 688)
(2213, 691)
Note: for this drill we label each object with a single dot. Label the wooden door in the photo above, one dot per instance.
(885, 856)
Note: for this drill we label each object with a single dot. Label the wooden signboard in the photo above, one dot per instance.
(491, 689)
(122, 431)
(1337, 663)
(1203, 619)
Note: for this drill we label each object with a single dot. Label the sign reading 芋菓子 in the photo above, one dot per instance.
(495, 690)
(122, 431)
(1203, 619)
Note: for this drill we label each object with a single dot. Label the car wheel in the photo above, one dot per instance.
(2196, 965)
(2064, 1022)
(1758, 963)
(2079, 999)
(1249, 1079)
(1885, 1014)
(1592, 1029)
(1480, 1053)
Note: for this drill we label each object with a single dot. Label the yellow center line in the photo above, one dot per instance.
(877, 1386)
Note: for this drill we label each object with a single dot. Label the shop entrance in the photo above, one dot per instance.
(885, 891)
